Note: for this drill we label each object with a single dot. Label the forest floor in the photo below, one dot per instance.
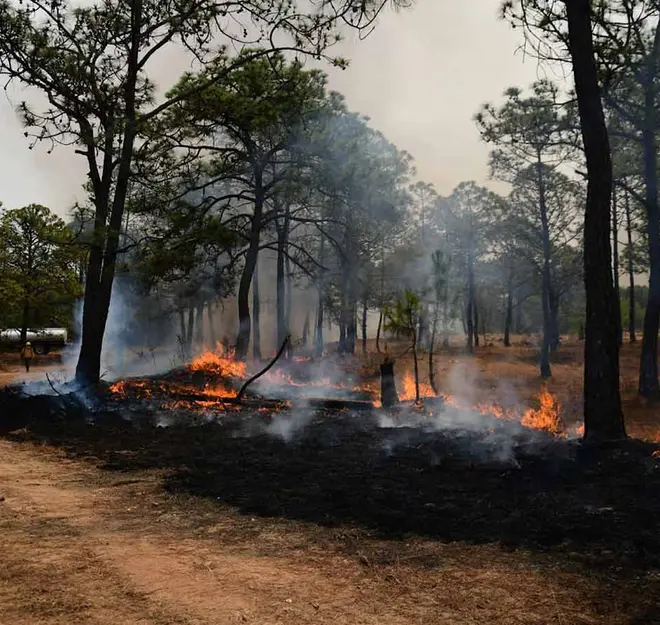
(114, 524)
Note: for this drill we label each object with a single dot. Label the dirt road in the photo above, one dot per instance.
(81, 545)
(12, 370)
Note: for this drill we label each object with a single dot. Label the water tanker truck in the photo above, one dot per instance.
(43, 340)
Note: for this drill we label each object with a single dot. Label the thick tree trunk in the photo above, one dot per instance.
(256, 311)
(103, 252)
(632, 313)
(388, 395)
(648, 371)
(615, 266)
(603, 416)
(244, 321)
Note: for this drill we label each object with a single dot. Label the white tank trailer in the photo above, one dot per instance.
(43, 340)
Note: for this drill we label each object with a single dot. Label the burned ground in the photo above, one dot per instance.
(377, 491)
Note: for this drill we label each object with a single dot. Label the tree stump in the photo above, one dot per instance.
(388, 394)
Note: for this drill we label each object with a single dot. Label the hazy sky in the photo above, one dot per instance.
(420, 76)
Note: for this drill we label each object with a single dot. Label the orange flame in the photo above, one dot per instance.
(547, 417)
(408, 390)
(219, 362)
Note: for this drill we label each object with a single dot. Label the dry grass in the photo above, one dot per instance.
(498, 372)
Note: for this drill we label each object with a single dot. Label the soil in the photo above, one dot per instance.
(246, 519)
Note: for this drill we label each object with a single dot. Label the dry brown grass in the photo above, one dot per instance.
(498, 371)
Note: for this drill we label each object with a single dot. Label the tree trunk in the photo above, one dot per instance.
(615, 266)
(469, 317)
(289, 294)
(244, 321)
(416, 365)
(209, 315)
(544, 363)
(280, 281)
(445, 317)
(632, 313)
(475, 309)
(189, 332)
(380, 325)
(199, 326)
(603, 416)
(342, 336)
(365, 309)
(554, 320)
(421, 329)
(546, 285)
(256, 311)
(182, 327)
(434, 328)
(351, 328)
(508, 318)
(319, 314)
(388, 395)
(305, 332)
(103, 252)
(25, 322)
(518, 318)
(648, 371)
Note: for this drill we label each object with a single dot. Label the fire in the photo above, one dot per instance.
(139, 388)
(118, 388)
(408, 391)
(547, 417)
(220, 362)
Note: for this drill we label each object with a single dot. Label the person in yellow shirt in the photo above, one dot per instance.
(27, 354)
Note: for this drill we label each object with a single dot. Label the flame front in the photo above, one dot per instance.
(547, 417)
(408, 391)
(220, 362)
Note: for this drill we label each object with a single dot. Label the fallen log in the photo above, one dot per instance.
(339, 404)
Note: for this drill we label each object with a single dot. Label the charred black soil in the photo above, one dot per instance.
(594, 508)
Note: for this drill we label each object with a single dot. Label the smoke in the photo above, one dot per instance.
(287, 426)
(140, 339)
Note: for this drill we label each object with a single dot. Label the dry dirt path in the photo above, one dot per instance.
(77, 547)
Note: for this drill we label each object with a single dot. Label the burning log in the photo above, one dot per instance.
(388, 395)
